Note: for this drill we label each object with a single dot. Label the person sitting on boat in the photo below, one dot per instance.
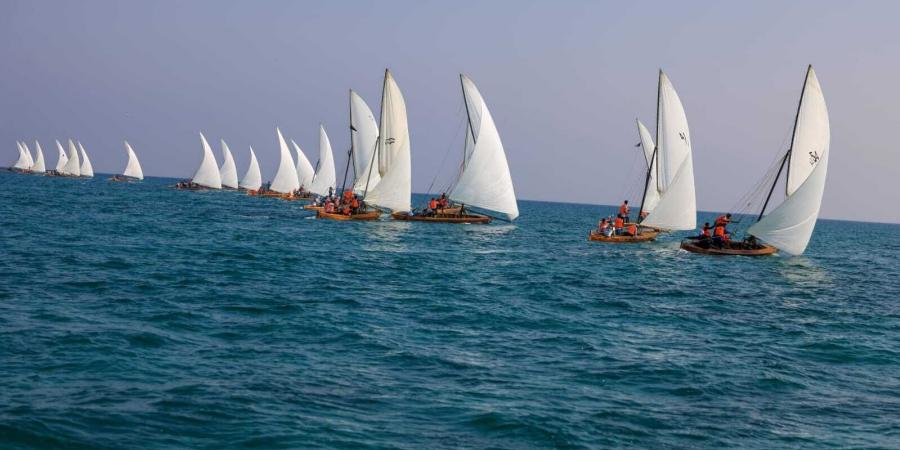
(631, 230)
(329, 206)
(624, 211)
(720, 235)
(603, 225)
(354, 204)
(443, 202)
(619, 224)
(705, 232)
(432, 206)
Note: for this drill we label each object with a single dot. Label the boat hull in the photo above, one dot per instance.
(368, 215)
(695, 245)
(442, 218)
(314, 207)
(644, 235)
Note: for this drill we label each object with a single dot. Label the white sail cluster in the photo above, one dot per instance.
(393, 191)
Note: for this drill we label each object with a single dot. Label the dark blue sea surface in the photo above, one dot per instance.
(133, 315)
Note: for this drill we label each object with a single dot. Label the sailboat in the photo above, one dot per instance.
(668, 202)
(389, 164)
(325, 179)
(61, 159)
(484, 182)
(73, 164)
(789, 226)
(207, 175)
(285, 184)
(38, 166)
(228, 171)
(363, 139)
(305, 171)
(23, 163)
(252, 180)
(133, 169)
(87, 170)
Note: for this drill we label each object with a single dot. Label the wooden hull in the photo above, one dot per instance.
(368, 215)
(694, 245)
(273, 194)
(314, 207)
(443, 218)
(644, 235)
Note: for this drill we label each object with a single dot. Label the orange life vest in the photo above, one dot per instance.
(705, 232)
(619, 222)
(719, 231)
(623, 210)
(632, 229)
(354, 203)
(722, 220)
(432, 204)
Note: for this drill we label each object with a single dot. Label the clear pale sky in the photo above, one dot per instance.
(564, 81)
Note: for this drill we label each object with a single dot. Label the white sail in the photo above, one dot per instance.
(133, 168)
(305, 171)
(394, 191)
(28, 159)
(790, 226)
(22, 161)
(677, 205)
(651, 197)
(38, 166)
(87, 170)
(253, 178)
(285, 180)
(73, 164)
(228, 171)
(485, 182)
(207, 174)
(61, 161)
(325, 178)
(363, 136)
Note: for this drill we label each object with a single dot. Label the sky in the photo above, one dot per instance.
(564, 81)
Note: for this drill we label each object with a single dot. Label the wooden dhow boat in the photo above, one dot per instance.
(371, 214)
(72, 168)
(305, 173)
(789, 226)
(24, 162)
(228, 171)
(87, 169)
(644, 235)
(252, 180)
(207, 175)
(133, 171)
(285, 183)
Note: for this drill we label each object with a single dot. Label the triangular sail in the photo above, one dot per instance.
(394, 191)
(285, 180)
(790, 226)
(305, 171)
(325, 178)
(485, 182)
(22, 161)
(38, 166)
(677, 205)
(207, 174)
(651, 196)
(62, 159)
(28, 159)
(228, 171)
(253, 178)
(133, 168)
(73, 164)
(363, 137)
(87, 169)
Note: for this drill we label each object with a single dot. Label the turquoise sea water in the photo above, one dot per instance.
(137, 316)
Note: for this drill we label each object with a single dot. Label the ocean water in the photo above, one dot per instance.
(138, 316)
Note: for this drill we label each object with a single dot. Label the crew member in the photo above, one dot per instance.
(624, 211)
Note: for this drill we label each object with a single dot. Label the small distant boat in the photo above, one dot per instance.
(325, 179)
(23, 162)
(252, 180)
(789, 226)
(73, 163)
(484, 182)
(285, 184)
(228, 171)
(133, 169)
(207, 175)
(38, 167)
(87, 170)
(61, 159)
(305, 171)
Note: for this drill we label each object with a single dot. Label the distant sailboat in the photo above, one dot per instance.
(21, 164)
(29, 159)
(133, 169)
(305, 171)
(207, 175)
(789, 227)
(484, 182)
(325, 178)
(73, 164)
(391, 159)
(62, 159)
(228, 171)
(38, 166)
(87, 170)
(285, 183)
(253, 178)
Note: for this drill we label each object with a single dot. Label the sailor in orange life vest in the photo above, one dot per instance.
(632, 230)
(624, 210)
(704, 233)
(618, 224)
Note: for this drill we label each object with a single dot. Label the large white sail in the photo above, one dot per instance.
(394, 191)
(677, 205)
(363, 136)
(651, 197)
(485, 182)
(28, 159)
(22, 161)
(228, 171)
(253, 178)
(305, 171)
(325, 178)
(73, 164)
(38, 166)
(62, 159)
(285, 180)
(207, 174)
(133, 168)
(790, 226)
(87, 170)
